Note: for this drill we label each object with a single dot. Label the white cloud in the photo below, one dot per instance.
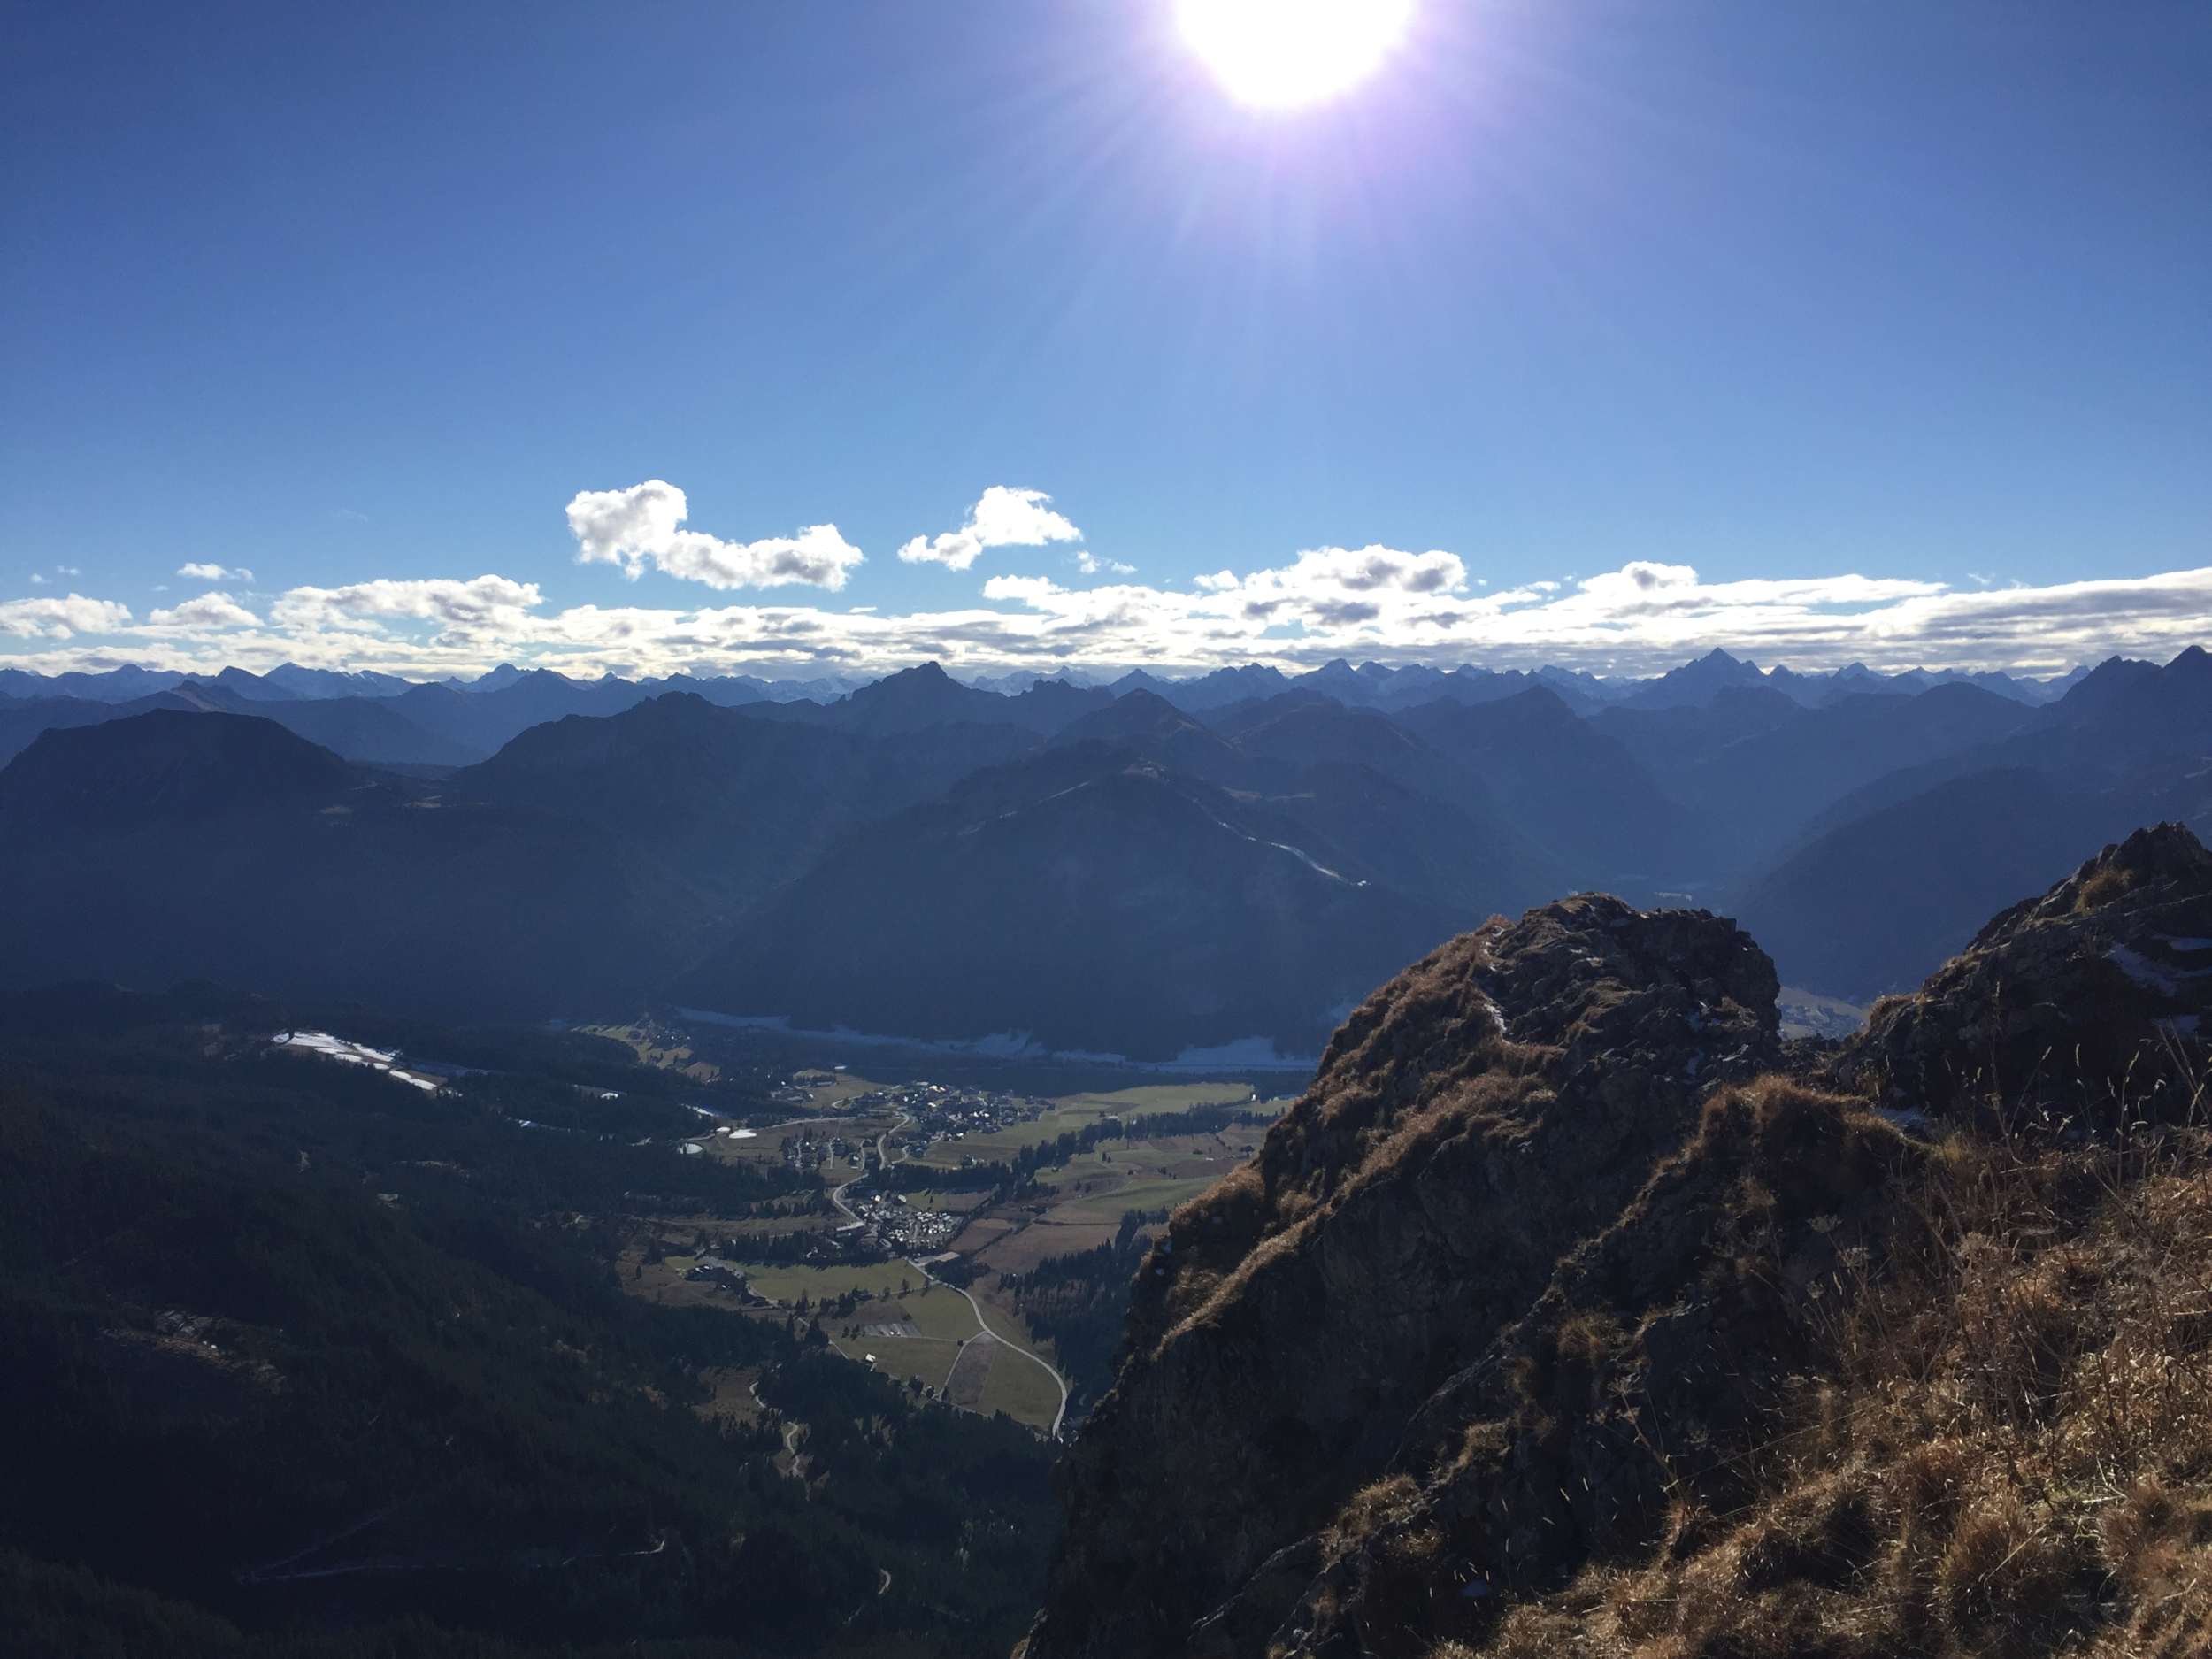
(205, 611)
(214, 574)
(62, 618)
(642, 525)
(483, 606)
(1004, 516)
(37, 580)
(1394, 604)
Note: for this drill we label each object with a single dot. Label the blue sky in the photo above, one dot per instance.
(1913, 293)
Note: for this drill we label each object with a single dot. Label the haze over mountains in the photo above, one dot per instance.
(1143, 867)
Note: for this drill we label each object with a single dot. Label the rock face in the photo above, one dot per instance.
(2098, 979)
(1515, 1295)
(1499, 1103)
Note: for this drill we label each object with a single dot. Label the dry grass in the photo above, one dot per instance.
(2008, 1454)
(2107, 884)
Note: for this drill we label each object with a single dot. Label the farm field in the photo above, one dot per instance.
(934, 1319)
(1021, 1390)
(927, 1360)
(761, 1149)
(657, 1050)
(927, 1328)
(972, 1372)
(1126, 1163)
(1018, 1251)
(1105, 1206)
(766, 1145)
(1086, 1198)
(831, 1089)
(1077, 1112)
(1006, 1325)
(980, 1232)
(786, 1282)
(663, 1282)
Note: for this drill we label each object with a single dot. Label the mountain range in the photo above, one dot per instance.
(1140, 867)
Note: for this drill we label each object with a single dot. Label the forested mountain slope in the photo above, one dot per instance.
(303, 1360)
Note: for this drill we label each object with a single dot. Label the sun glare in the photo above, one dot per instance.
(1279, 54)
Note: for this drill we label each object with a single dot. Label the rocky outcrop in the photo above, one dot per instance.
(1527, 1288)
(2074, 1005)
(1472, 1123)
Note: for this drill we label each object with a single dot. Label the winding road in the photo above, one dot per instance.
(883, 1162)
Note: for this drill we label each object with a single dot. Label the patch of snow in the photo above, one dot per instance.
(349, 1053)
(1304, 858)
(692, 1150)
(2142, 969)
(337, 1048)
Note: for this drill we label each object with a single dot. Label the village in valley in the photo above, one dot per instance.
(971, 1240)
(941, 1221)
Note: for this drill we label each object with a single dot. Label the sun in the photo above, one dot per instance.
(1279, 54)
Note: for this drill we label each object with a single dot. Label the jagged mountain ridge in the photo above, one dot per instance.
(1888, 880)
(1455, 806)
(1479, 1356)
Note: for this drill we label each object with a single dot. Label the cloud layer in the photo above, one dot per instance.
(1387, 603)
(1329, 602)
(1004, 516)
(641, 527)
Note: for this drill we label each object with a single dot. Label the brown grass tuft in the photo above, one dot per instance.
(1370, 1509)
(2007, 1449)
(2102, 888)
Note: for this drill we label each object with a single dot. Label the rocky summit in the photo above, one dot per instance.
(1571, 1311)
(2084, 1001)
